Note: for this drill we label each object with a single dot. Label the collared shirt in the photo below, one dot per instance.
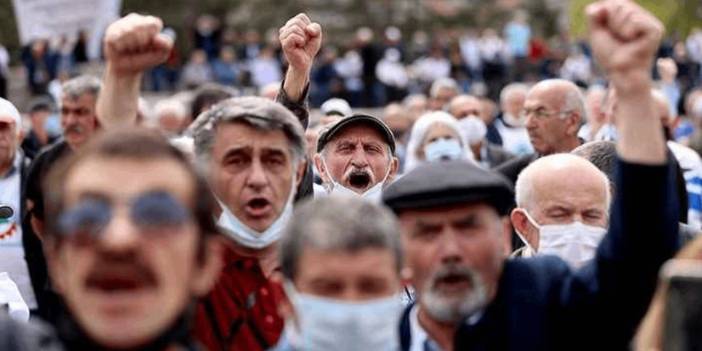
(11, 249)
(241, 311)
(420, 339)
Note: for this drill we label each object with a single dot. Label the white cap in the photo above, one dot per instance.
(336, 106)
(9, 114)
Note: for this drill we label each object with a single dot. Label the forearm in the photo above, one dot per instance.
(118, 102)
(295, 83)
(640, 131)
(297, 103)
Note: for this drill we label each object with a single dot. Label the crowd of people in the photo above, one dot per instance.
(539, 221)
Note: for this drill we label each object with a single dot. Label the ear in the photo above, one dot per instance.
(573, 123)
(208, 270)
(300, 172)
(320, 167)
(507, 236)
(54, 264)
(394, 167)
(523, 226)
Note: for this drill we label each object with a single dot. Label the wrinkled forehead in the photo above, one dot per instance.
(84, 100)
(238, 135)
(120, 179)
(544, 96)
(358, 133)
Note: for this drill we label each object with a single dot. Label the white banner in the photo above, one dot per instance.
(45, 19)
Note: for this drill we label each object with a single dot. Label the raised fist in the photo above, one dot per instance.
(300, 39)
(134, 44)
(624, 38)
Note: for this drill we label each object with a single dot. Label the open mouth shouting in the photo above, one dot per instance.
(360, 180)
(258, 207)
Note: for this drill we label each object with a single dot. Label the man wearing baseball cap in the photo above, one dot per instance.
(355, 156)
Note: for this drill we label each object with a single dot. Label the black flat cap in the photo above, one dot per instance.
(447, 183)
(328, 134)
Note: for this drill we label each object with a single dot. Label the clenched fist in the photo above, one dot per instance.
(624, 39)
(134, 44)
(300, 39)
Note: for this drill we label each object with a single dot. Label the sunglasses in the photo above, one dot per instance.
(150, 212)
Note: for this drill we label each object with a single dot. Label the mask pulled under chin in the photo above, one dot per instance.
(331, 324)
(373, 194)
(248, 237)
(576, 242)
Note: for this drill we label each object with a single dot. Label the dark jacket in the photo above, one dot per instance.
(543, 305)
(496, 155)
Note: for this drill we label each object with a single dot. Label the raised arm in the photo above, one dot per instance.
(624, 39)
(300, 39)
(132, 45)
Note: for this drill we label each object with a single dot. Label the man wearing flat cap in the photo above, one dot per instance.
(355, 156)
(453, 221)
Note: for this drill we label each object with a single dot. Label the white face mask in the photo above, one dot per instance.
(330, 324)
(473, 129)
(576, 243)
(248, 237)
(373, 194)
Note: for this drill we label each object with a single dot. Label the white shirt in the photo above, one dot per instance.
(11, 250)
(514, 139)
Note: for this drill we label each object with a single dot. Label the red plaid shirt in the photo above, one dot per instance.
(241, 311)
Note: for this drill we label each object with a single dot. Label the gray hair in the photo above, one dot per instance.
(257, 112)
(572, 100)
(513, 88)
(81, 85)
(442, 83)
(349, 224)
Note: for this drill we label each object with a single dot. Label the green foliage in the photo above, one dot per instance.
(679, 16)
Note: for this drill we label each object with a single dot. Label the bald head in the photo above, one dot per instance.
(554, 109)
(561, 178)
(463, 106)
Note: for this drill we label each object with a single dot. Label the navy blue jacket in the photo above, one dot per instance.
(543, 305)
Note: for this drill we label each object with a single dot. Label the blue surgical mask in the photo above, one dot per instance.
(443, 150)
(329, 324)
(248, 237)
(52, 125)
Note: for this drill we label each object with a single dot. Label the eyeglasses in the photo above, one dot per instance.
(542, 113)
(151, 212)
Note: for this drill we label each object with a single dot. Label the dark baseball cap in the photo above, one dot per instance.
(329, 133)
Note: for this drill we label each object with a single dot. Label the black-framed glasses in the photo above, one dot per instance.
(152, 212)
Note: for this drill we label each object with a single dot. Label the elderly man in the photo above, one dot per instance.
(562, 206)
(334, 305)
(553, 110)
(129, 260)
(470, 112)
(454, 226)
(512, 124)
(355, 156)
(79, 122)
(171, 117)
(18, 248)
(441, 92)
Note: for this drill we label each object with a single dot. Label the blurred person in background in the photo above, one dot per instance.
(265, 68)
(45, 126)
(511, 125)
(469, 111)
(435, 137)
(171, 117)
(196, 71)
(431, 70)
(441, 92)
(225, 69)
(595, 113)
